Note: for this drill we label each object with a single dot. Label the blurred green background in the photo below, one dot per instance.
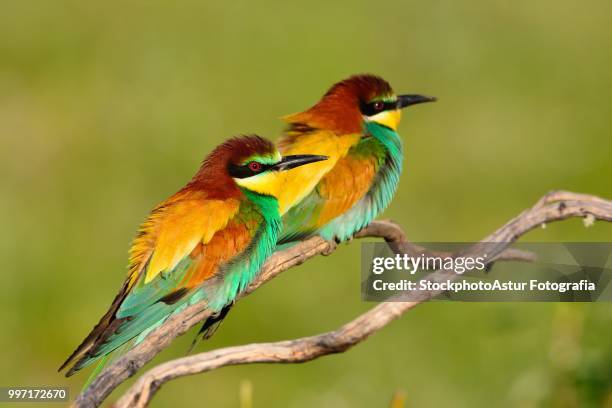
(107, 108)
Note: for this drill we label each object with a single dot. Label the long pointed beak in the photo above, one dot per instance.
(407, 100)
(290, 162)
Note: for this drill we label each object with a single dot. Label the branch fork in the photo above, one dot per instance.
(554, 206)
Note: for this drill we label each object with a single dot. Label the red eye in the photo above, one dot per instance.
(254, 166)
(378, 106)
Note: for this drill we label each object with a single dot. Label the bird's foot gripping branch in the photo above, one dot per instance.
(554, 206)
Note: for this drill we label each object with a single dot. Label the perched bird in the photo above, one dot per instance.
(206, 242)
(355, 124)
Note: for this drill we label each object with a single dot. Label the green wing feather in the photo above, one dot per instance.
(147, 305)
(382, 145)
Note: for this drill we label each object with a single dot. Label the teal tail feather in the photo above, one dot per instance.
(95, 372)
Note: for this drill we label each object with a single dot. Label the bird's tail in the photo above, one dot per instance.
(107, 323)
(95, 372)
(131, 316)
(130, 328)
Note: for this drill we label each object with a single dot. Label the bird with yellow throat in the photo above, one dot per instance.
(354, 124)
(207, 242)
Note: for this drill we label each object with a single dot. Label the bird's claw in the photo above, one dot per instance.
(332, 245)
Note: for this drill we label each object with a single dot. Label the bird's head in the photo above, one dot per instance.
(358, 99)
(252, 163)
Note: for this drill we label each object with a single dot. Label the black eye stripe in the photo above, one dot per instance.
(245, 171)
(372, 108)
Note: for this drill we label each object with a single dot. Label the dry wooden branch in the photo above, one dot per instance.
(554, 206)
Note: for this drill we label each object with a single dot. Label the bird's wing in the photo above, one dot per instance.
(179, 246)
(174, 229)
(340, 189)
(303, 180)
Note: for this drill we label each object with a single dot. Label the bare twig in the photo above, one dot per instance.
(552, 207)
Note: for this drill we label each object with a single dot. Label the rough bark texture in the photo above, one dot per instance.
(555, 206)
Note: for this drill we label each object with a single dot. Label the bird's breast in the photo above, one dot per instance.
(300, 181)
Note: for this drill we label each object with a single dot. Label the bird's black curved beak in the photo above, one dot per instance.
(407, 100)
(290, 162)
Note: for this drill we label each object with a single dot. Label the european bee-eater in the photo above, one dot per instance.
(206, 242)
(355, 125)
